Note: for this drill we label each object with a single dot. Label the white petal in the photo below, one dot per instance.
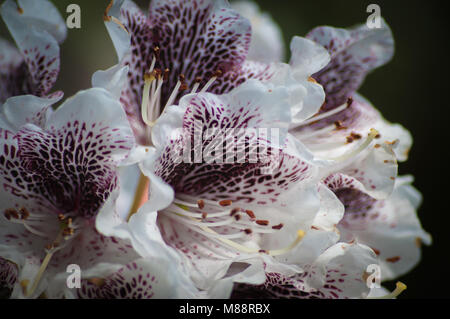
(267, 42)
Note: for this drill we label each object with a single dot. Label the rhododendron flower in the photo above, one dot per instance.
(390, 226)
(55, 175)
(345, 117)
(200, 165)
(38, 29)
(220, 212)
(182, 46)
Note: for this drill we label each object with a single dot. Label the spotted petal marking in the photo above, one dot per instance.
(243, 178)
(354, 53)
(9, 274)
(136, 280)
(339, 273)
(71, 166)
(278, 286)
(195, 38)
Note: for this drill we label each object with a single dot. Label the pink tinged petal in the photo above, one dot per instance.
(36, 34)
(9, 274)
(354, 53)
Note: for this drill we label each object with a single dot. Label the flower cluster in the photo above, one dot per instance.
(200, 165)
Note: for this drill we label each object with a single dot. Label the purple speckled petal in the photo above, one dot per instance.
(354, 53)
(9, 274)
(249, 107)
(198, 37)
(71, 165)
(195, 38)
(332, 276)
(390, 226)
(139, 279)
(37, 38)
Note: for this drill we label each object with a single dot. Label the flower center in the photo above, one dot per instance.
(226, 223)
(154, 79)
(34, 224)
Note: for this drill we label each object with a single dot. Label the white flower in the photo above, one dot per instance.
(219, 212)
(56, 171)
(390, 226)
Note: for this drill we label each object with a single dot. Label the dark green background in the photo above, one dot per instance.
(412, 90)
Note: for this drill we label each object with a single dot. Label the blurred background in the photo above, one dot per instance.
(410, 90)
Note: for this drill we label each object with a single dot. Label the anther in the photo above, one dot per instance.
(166, 74)
(262, 222)
(250, 213)
(197, 81)
(400, 287)
(355, 136)
(61, 217)
(156, 51)
(349, 101)
(339, 125)
(200, 204)
(24, 213)
(279, 226)
(248, 231)
(225, 202)
(234, 211)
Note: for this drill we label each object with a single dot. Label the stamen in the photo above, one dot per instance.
(400, 287)
(148, 78)
(358, 149)
(174, 93)
(326, 114)
(196, 85)
(211, 81)
(64, 232)
(313, 133)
